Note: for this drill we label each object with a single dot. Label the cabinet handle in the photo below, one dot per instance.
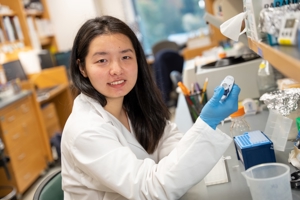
(22, 156)
(27, 176)
(16, 136)
(24, 108)
(11, 118)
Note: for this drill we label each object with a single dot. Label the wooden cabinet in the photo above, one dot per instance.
(22, 136)
(51, 119)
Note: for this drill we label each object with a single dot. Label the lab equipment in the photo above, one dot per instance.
(245, 75)
(289, 26)
(250, 106)
(277, 129)
(227, 84)
(265, 78)
(238, 125)
(295, 180)
(269, 181)
(253, 148)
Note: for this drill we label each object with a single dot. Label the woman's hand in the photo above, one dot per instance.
(214, 111)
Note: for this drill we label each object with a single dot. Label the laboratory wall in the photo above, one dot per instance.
(68, 15)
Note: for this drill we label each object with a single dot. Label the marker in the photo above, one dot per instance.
(197, 87)
(184, 89)
(204, 89)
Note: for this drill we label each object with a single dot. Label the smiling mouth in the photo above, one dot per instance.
(117, 82)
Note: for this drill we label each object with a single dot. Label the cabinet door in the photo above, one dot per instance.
(21, 134)
(51, 119)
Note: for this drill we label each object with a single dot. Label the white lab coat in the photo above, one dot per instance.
(102, 160)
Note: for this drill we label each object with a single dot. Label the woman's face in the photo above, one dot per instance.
(111, 65)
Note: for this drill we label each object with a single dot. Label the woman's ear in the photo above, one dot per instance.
(82, 71)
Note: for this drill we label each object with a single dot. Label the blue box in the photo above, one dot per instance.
(253, 148)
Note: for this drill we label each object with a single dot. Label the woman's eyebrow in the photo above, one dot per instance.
(126, 50)
(99, 53)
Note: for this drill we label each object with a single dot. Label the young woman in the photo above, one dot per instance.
(118, 142)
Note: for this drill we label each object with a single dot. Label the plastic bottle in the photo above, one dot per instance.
(239, 125)
(265, 78)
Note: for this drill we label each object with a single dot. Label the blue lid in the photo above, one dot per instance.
(251, 139)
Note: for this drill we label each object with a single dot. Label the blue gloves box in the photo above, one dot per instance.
(253, 148)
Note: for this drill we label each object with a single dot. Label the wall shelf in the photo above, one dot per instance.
(284, 58)
(34, 13)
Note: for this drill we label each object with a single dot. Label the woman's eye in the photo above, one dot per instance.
(126, 57)
(101, 61)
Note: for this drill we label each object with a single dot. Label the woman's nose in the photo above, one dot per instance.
(116, 68)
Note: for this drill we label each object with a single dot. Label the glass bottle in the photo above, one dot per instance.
(265, 78)
(238, 125)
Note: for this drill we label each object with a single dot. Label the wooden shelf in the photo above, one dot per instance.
(8, 14)
(33, 13)
(284, 58)
(45, 41)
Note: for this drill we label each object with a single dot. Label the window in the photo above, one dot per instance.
(175, 20)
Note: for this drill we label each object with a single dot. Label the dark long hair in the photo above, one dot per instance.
(143, 104)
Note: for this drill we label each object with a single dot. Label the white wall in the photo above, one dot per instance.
(121, 9)
(67, 16)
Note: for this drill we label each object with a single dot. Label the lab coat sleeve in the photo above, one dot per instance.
(169, 140)
(98, 153)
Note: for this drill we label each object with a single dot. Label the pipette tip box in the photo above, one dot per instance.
(253, 148)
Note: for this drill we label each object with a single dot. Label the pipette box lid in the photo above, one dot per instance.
(253, 148)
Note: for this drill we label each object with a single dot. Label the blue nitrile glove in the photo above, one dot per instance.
(214, 111)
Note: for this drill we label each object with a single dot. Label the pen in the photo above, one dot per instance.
(192, 108)
(196, 102)
(197, 87)
(184, 89)
(204, 90)
(192, 88)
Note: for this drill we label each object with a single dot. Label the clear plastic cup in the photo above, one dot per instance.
(269, 181)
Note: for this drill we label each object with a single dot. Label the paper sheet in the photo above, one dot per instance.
(30, 62)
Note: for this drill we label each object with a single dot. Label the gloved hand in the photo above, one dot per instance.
(214, 111)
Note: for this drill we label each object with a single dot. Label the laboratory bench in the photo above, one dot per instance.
(236, 187)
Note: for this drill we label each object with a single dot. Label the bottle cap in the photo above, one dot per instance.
(239, 112)
(298, 123)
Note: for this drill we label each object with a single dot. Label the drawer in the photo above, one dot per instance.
(21, 156)
(15, 138)
(52, 122)
(18, 136)
(14, 114)
(49, 112)
(27, 174)
(10, 119)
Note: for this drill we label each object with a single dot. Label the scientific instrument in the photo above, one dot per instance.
(227, 84)
(289, 26)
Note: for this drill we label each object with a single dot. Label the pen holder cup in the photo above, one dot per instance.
(195, 103)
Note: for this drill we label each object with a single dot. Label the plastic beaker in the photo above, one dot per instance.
(269, 181)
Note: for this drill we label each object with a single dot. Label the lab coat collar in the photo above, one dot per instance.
(130, 137)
